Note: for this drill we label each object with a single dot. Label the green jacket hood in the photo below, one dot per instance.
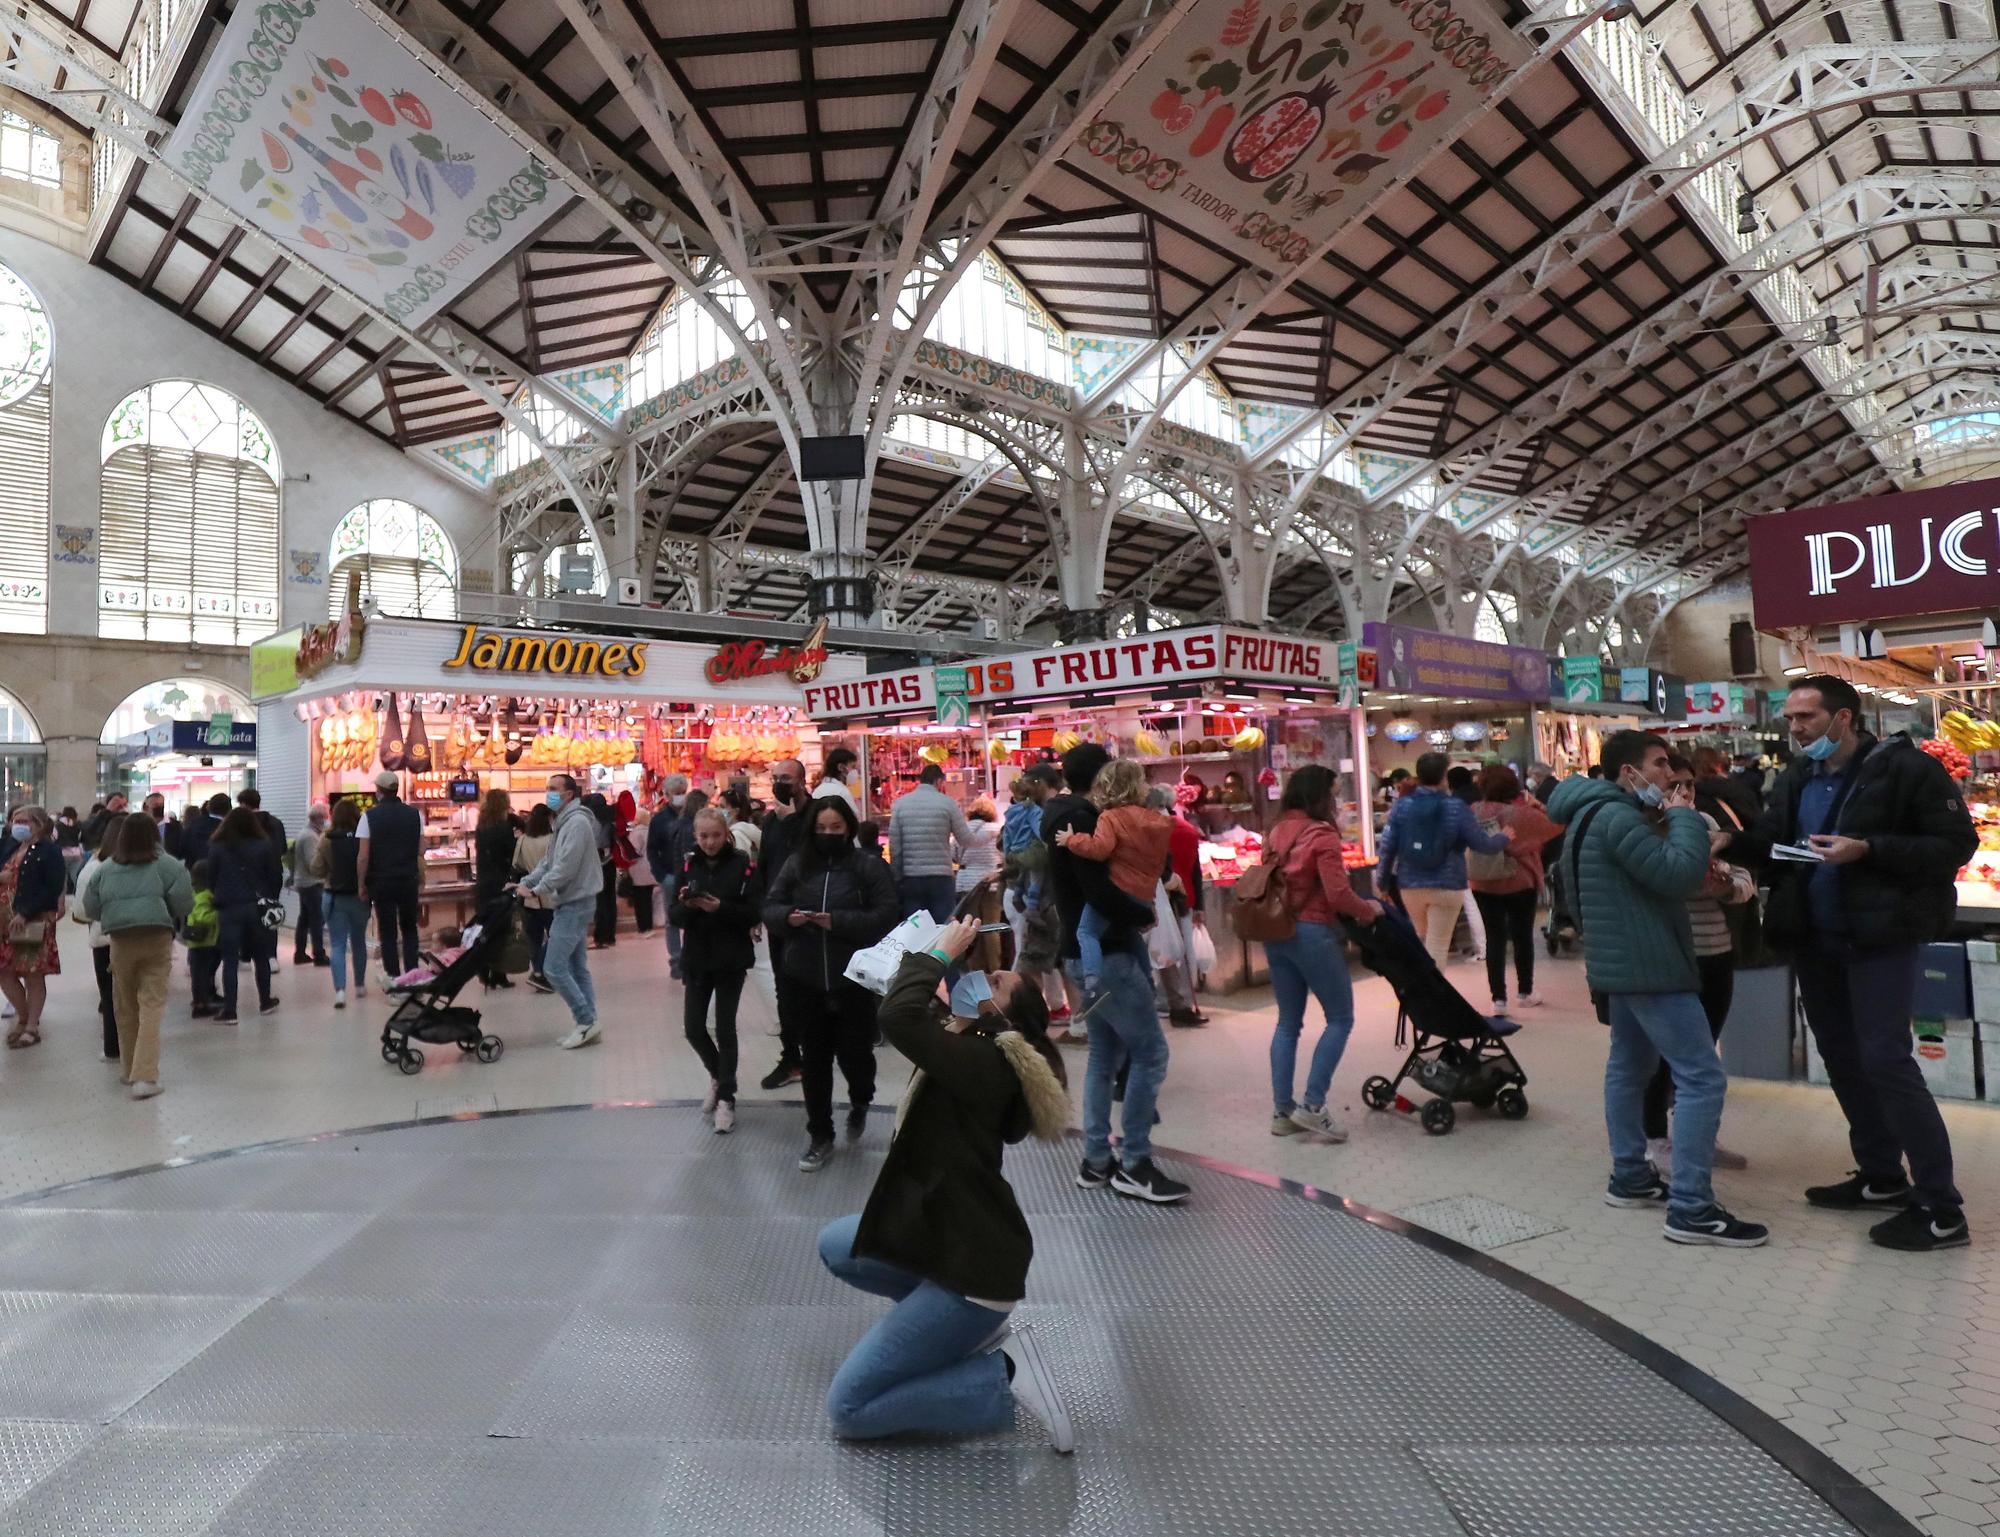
(1578, 791)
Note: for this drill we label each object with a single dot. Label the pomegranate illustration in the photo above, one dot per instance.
(1277, 134)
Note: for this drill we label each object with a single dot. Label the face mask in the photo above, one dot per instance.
(830, 845)
(782, 791)
(20, 830)
(969, 993)
(677, 801)
(1822, 749)
(1648, 793)
(554, 799)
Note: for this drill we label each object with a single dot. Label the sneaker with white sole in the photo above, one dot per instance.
(1528, 1001)
(1143, 1182)
(1093, 1176)
(1651, 1190)
(145, 1088)
(1315, 1120)
(582, 1035)
(1715, 1227)
(712, 1098)
(1034, 1389)
(816, 1156)
(1920, 1229)
(725, 1117)
(339, 998)
(1285, 1126)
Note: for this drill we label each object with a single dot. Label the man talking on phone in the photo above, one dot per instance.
(1864, 839)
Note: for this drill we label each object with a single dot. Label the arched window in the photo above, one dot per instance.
(1494, 618)
(25, 351)
(189, 548)
(407, 564)
(172, 699)
(29, 152)
(23, 759)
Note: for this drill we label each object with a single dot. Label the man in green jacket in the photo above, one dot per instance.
(1638, 850)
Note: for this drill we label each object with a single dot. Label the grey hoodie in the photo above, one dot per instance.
(570, 871)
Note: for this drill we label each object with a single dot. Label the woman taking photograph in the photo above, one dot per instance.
(139, 898)
(245, 867)
(33, 879)
(528, 851)
(338, 863)
(942, 1235)
(1509, 884)
(718, 902)
(829, 901)
(1306, 846)
(492, 868)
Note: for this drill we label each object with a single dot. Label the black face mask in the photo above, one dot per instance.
(830, 845)
(782, 791)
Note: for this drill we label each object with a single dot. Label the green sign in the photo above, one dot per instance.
(274, 665)
(1583, 679)
(953, 707)
(220, 728)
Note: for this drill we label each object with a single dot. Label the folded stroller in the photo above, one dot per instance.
(429, 1011)
(1457, 1055)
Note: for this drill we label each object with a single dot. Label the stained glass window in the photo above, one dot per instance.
(190, 518)
(406, 563)
(25, 353)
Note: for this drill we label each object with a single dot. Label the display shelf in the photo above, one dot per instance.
(1192, 757)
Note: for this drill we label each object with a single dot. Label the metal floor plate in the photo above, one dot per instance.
(615, 1322)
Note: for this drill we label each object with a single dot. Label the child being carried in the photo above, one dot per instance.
(1131, 838)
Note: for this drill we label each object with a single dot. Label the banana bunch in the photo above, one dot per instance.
(1967, 734)
(347, 741)
(1249, 739)
(1146, 745)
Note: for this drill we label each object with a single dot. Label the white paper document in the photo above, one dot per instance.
(1798, 852)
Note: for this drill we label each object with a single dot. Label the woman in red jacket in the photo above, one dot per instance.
(1306, 846)
(1507, 900)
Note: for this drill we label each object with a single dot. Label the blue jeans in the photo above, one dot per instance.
(917, 1369)
(933, 894)
(1125, 1028)
(1312, 960)
(668, 885)
(566, 969)
(1090, 943)
(347, 932)
(1646, 1027)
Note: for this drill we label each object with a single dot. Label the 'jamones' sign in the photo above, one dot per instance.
(1916, 552)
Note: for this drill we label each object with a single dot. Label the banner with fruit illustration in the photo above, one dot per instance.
(335, 140)
(1263, 125)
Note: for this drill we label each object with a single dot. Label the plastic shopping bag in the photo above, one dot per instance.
(1163, 939)
(1204, 949)
(876, 967)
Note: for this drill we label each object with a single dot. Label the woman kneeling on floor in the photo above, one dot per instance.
(942, 1235)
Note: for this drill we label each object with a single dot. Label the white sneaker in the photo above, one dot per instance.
(725, 1117)
(713, 1098)
(1725, 1159)
(1318, 1122)
(1035, 1389)
(582, 1035)
(339, 998)
(1528, 1001)
(1661, 1151)
(145, 1088)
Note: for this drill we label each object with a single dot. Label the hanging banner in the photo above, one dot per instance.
(1582, 679)
(1263, 125)
(1711, 704)
(331, 137)
(1417, 661)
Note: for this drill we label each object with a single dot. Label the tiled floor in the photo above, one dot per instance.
(1890, 1363)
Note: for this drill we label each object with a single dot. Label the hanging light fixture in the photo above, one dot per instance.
(1746, 212)
(1789, 664)
(1832, 332)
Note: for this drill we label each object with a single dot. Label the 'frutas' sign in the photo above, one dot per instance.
(1915, 552)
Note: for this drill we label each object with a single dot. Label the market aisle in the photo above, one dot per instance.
(1891, 1363)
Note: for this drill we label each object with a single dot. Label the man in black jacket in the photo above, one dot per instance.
(1891, 831)
(783, 830)
(1126, 1027)
(669, 841)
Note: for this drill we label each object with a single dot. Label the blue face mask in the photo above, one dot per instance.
(970, 991)
(554, 798)
(1648, 793)
(1821, 748)
(20, 830)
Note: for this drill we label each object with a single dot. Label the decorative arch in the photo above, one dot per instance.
(172, 699)
(27, 354)
(18, 727)
(407, 564)
(191, 515)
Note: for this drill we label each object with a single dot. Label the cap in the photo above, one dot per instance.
(1048, 773)
(386, 780)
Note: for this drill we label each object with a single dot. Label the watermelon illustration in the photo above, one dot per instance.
(1268, 141)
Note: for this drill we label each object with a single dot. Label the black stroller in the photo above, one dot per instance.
(429, 1011)
(1458, 1055)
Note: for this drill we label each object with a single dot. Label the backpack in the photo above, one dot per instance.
(1427, 828)
(1490, 867)
(1260, 907)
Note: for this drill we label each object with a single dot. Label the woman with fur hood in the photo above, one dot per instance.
(942, 1235)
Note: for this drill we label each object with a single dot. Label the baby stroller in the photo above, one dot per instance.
(428, 1011)
(1458, 1054)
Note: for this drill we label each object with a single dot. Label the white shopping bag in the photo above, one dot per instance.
(876, 967)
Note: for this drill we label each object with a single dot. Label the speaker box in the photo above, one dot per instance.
(1743, 649)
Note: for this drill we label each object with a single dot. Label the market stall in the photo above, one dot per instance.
(458, 709)
(188, 761)
(1220, 715)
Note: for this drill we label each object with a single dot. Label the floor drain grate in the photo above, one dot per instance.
(1477, 1222)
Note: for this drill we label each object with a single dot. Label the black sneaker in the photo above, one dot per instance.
(1146, 1183)
(268, 1006)
(857, 1124)
(1920, 1229)
(540, 983)
(816, 1156)
(779, 1076)
(1858, 1194)
(1650, 1191)
(1714, 1226)
(1093, 1176)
